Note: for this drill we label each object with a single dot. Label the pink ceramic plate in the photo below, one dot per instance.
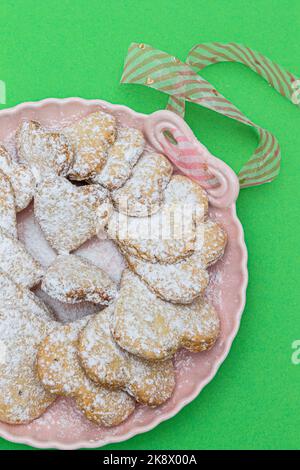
(62, 426)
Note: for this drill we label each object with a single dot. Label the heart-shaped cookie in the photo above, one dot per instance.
(149, 382)
(14, 295)
(213, 243)
(22, 398)
(44, 151)
(184, 281)
(186, 196)
(143, 193)
(121, 158)
(156, 238)
(168, 235)
(90, 138)
(73, 279)
(153, 329)
(17, 262)
(69, 215)
(61, 373)
(180, 282)
(20, 177)
(8, 220)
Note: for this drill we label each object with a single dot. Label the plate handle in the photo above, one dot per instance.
(169, 134)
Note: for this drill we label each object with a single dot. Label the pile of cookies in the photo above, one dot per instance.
(89, 177)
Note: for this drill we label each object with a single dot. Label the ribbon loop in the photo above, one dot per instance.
(156, 69)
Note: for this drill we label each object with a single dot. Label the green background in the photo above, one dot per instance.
(77, 48)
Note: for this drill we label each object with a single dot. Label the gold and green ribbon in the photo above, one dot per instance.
(156, 69)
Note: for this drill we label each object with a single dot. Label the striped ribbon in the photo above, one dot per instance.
(161, 71)
(185, 156)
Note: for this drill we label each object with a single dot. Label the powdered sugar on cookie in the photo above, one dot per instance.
(214, 242)
(183, 192)
(22, 398)
(20, 177)
(60, 372)
(168, 235)
(143, 194)
(184, 281)
(73, 279)
(164, 237)
(8, 220)
(17, 262)
(121, 158)
(180, 282)
(149, 382)
(14, 295)
(90, 138)
(44, 151)
(154, 329)
(68, 215)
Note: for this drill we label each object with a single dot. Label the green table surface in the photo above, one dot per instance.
(60, 48)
